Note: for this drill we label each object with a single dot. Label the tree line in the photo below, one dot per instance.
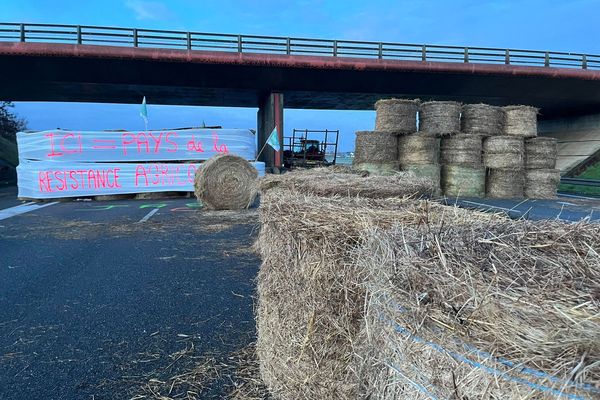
(10, 123)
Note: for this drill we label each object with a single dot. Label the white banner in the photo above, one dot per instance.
(183, 144)
(49, 180)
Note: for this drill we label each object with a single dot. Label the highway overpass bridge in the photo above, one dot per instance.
(120, 65)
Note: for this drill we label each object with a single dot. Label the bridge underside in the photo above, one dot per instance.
(51, 72)
(553, 107)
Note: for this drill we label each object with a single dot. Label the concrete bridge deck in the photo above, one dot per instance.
(120, 65)
(65, 72)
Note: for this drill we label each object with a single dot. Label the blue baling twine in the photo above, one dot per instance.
(525, 370)
(489, 370)
(419, 387)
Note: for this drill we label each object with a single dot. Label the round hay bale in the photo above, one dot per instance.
(540, 153)
(504, 152)
(520, 121)
(482, 119)
(375, 147)
(541, 183)
(440, 118)
(428, 171)
(226, 182)
(418, 149)
(460, 180)
(396, 115)
(502, 183)
(383, 169)
(461, 149)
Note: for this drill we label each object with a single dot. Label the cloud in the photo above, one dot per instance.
(148, 10)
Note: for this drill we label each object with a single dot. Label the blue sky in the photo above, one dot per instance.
(528, 24)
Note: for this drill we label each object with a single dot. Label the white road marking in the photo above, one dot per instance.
(148, 216)
(22, 209)
(564, 203)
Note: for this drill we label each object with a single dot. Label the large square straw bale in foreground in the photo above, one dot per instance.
(407, 299)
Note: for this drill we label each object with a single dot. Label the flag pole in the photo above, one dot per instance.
(270, 144)
(260, 152)
(144, 113)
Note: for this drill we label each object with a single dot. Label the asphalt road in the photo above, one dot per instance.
(566, 208)
(95, 304)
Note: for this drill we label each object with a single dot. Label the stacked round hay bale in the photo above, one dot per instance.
(540, 153)
(226, 182)
(520, 121)
(503, 156)
(376, 152)
(440, 118)
(541, 177)
(419, 154)
(462, 171)
(541, 183)
(482, 119)
(396, 115)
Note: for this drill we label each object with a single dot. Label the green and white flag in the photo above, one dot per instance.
(144, 111)
(273, 140)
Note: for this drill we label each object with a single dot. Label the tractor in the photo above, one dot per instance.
(303, 150)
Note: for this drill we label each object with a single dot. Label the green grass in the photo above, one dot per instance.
(592, 172)
(576, 189)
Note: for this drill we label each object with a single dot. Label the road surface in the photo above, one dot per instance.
(567, 207)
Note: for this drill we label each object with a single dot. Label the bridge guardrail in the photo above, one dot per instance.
(134, 37)
(580, 182)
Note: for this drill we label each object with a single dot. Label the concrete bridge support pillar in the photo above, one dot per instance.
(270, 115)
(578, 141)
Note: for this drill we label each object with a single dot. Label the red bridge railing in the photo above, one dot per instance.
(133, 37)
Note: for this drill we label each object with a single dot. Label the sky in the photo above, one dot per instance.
(526, 24)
